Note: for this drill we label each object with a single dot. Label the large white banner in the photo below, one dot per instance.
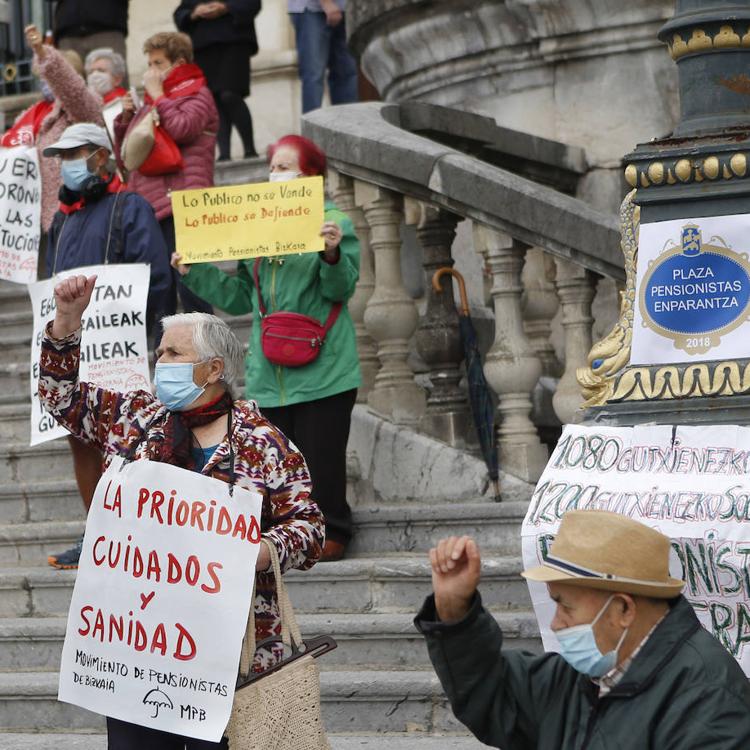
(693, 290)
(114, 352)
(161, 599)
(20, 213)
(690, 483)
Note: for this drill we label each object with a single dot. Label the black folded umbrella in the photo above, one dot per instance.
(480, 397)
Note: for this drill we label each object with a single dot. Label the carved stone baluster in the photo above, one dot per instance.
(512, 367)
(390, 316)
(576, 288)
(438, 338)
(342, 192)
(540, 304)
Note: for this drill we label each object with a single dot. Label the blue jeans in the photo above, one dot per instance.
(322, 48)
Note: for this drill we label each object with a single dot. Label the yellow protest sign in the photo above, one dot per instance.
(249, 221)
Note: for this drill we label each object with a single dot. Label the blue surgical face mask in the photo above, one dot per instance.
(175, 386)
(578, 647)
(75, 173)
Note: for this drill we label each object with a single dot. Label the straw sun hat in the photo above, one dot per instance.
(602, 550)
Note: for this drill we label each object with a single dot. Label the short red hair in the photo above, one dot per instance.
(312, 159)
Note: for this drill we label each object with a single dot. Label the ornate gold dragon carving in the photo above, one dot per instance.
(610, 355)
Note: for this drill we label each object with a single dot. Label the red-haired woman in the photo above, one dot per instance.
(311, 404)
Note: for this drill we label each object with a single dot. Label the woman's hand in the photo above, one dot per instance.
(331, 233)
(35, 41)
(181, 268)
(72, 297)
(128, 107)
(152, 82)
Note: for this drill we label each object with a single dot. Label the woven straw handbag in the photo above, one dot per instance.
(279, 709)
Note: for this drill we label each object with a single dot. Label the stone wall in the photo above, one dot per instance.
(585, 72)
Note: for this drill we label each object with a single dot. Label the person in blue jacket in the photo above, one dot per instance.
(100, 222)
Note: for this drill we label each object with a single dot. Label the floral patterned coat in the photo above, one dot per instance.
(265, 462)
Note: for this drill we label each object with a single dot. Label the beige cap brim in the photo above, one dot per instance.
(671, 588)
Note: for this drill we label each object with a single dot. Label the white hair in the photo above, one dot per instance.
(116, 60)
(212, 338)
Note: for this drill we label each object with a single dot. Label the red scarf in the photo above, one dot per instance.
(183, 80)
(113, 186)
(117, 93)
(26, 128)
(178, 431)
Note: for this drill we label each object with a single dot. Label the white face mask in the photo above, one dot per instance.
(100, 82)
(283, 176)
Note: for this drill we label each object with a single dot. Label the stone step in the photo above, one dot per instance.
(352, 702)
(389, 584)
(383, 741)
(19, 462)
(377, 640)
(14, 421)
(14, 298)
(43, 501)
(15, 323)
(30, 543)
(416, 528)
(14, 376)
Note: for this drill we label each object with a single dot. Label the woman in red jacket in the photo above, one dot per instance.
(176, 88)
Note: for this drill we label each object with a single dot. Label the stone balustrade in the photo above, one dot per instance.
(541, 251)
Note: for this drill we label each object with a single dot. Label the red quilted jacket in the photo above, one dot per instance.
(192, 121)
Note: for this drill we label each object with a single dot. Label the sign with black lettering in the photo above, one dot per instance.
(161, 599)
(690, 483)
(20, 213)
(114, 352)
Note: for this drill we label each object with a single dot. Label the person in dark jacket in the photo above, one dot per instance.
(224, 40)
(84, 25)
(100, 222)
(635, 670)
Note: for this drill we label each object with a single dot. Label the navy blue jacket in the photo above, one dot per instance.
(129, 234)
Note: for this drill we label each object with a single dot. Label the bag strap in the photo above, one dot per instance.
(330, 320)
(290, 632)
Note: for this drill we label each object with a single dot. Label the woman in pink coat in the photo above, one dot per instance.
(73, 102)
(177, 89)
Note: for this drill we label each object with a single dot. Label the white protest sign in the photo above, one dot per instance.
(114, 352)
(161, 599)
(693, 290)
(693, 486)
(20, 213)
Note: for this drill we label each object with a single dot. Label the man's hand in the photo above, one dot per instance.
(334, 15)
(456, 567)
(72, 297)
(35, 41)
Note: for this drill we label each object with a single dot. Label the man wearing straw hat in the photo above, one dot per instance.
(636, 671)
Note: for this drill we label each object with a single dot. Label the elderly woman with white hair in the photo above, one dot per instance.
(195, 423)
(105, 73)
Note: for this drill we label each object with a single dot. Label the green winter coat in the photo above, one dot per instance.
(683, 691)
(303, 284)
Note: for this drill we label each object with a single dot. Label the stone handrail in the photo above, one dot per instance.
(392, 164)
(366, 141)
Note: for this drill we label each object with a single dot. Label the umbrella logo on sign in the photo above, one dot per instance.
(158, 699)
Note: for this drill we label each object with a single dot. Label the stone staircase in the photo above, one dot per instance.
(378, 689)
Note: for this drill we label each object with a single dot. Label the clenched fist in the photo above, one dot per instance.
(72, 297)
(456, 567)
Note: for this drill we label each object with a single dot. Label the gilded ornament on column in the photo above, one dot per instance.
(610, 355)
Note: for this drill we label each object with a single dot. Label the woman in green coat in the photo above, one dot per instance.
(311, 404)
